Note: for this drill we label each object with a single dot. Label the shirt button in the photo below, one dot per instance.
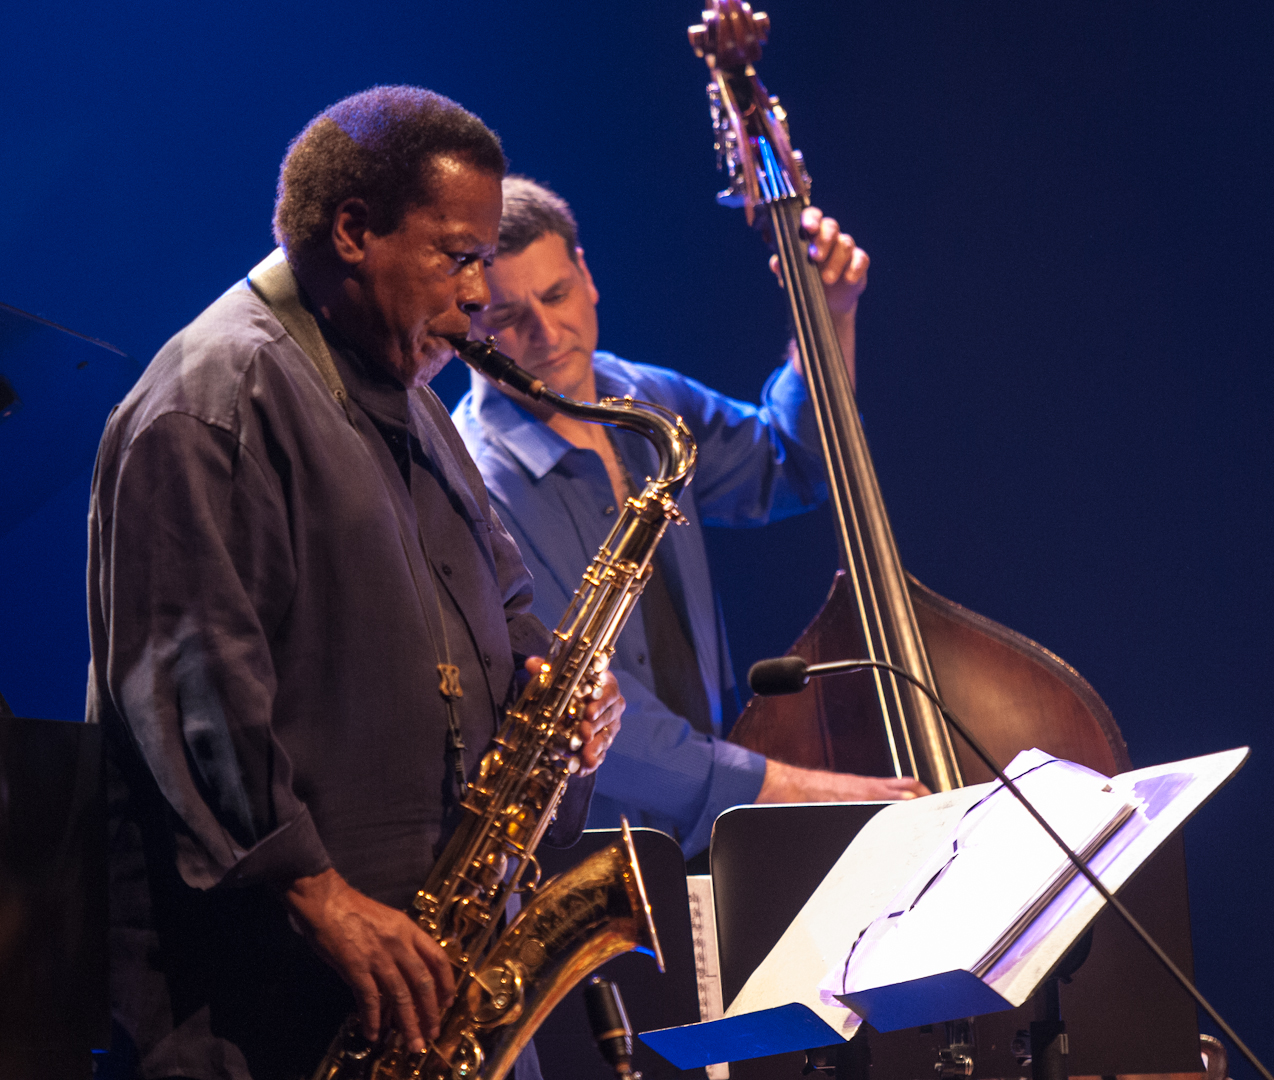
(446, 569)
(641, 658)
(608, 511)
(486, 659)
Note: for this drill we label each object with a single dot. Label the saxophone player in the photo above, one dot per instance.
(557, 483)
(306, 616)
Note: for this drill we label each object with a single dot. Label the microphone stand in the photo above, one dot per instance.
(790, 675)
(611, 1030)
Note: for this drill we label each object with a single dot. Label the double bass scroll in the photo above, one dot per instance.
(1013, 693)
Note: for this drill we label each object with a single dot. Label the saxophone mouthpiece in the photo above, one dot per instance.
(484, 357)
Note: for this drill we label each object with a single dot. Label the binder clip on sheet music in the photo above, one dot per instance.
(951, 906)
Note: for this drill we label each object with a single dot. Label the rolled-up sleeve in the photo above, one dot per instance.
(198, 573)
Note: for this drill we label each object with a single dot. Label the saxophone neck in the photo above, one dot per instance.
(660, 426)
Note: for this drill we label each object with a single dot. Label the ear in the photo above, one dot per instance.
(350, 231)
(588, 278)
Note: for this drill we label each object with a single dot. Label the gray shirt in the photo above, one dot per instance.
(271, 588)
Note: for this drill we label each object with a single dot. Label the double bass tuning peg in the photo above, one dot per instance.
(731, 32)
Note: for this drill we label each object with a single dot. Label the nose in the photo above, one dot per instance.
(544, 328)
(473, 294)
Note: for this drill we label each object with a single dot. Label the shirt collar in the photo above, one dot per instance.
(535, 445)
(375, 390)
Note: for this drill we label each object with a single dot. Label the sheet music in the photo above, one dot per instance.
(782, 1007)
(703, 929)
(997, 871)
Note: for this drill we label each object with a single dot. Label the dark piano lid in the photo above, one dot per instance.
(57, 388)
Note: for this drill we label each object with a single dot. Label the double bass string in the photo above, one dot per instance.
(785, 219)
(889, 593)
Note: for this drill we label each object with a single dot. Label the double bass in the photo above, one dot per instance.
(1010, 691)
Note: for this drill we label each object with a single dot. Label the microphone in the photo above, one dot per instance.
(790, 674)
(610, 1026)
(782, 675)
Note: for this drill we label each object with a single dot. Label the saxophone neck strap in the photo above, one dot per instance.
(274, 282)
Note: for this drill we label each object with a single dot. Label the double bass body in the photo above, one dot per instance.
(1011, 691)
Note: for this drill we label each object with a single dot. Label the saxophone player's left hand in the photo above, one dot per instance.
(601, 723)
(601, 719)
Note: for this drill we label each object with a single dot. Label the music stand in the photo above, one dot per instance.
(1123, 1013)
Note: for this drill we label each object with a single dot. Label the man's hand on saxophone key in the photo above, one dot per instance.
(601, 721)
(398, 972)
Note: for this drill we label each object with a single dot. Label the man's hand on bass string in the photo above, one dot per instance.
(842, 263)
(398, 972)
(843, 269)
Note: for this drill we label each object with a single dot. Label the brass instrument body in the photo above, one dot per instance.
(580, 919)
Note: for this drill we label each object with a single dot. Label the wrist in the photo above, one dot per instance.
(789, 783)
(307, 897)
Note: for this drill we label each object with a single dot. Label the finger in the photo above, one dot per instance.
(367, 995)
(593, 753)
(811, 217)
(604, 690)
(600, 738)
(402, 1002)
(424, 994)
(591, 756)
(598, 729)
(839, 260)
(858, 268)
(775, 270)
(439, 966)
(824, 241)
(606, 711)
(906, 787)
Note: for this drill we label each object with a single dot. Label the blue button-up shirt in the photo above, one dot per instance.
(756, 464)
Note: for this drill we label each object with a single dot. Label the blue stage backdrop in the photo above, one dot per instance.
(1064, 349)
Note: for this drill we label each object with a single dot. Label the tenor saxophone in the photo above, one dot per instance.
(507, 984)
